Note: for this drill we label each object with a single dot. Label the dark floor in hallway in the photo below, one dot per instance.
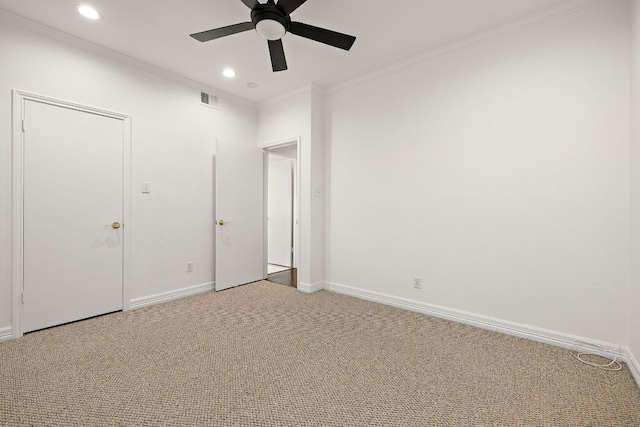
(287, 277)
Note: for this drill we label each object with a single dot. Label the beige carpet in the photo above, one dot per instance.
(268, 355)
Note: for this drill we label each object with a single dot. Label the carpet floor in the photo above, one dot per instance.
(267, 355)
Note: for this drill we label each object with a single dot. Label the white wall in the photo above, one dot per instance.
(318, 199)
(634, 300)
(290, 116)
(173, 143)
(498, 173)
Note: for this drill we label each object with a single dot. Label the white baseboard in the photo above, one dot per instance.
(545, 336)
(171, 295)
(6, 333)
(309, 289)
(633, 365)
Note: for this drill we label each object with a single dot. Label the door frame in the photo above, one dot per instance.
(298, 203)
(19, 99)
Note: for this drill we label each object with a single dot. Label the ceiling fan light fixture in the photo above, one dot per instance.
(272, 21)
(270, 29)
(88, 12)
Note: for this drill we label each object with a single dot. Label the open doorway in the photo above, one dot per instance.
(281, 173)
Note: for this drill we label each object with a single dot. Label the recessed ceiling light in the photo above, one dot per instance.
(229, 73)
(88, 12)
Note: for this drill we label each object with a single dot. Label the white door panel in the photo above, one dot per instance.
(73, 192)
(240, 204)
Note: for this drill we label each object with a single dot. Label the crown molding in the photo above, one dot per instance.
(277, 99)
(492, 34)
(318, 90)
(61, 36)
(312, 89)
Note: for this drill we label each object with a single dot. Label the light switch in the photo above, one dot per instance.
(146, 187)
(317, 192)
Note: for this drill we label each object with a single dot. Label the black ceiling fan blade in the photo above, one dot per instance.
(288, 6)
(322, 35)
(216, 33)
(278, 61)
(251, 4)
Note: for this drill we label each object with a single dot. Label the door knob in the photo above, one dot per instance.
(115, 225)
(223, 222)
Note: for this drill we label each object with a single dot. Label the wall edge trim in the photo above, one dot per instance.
(170, 295)
(6, 333)
(544, 336)
(310, 289)
(632, 364)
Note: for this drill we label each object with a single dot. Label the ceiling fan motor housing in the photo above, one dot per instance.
(270, 22)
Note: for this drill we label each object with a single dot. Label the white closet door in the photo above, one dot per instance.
(73, 195)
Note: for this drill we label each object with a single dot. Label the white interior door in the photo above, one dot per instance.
(239, 215)
(280, 211)
(73, 193)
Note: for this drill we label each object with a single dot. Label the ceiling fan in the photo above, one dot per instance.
(272, 22)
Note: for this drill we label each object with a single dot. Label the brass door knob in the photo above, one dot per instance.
(115, 225)
(223, 222)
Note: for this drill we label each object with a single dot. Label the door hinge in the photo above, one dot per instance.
(23, 126)
(22, 297)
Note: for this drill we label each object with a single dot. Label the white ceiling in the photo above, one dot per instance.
(157, 32)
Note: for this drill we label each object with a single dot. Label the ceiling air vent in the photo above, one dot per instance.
(209, 100)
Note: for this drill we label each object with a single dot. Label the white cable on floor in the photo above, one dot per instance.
(613, 365)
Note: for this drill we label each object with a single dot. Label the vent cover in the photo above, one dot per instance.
(209, 100)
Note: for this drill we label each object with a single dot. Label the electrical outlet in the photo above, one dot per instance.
(189, 267)
(417, 283)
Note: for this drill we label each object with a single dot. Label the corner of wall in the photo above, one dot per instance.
(634, 282)
(6, 334)
(633, 365)
(319, 196)
(310, 289)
